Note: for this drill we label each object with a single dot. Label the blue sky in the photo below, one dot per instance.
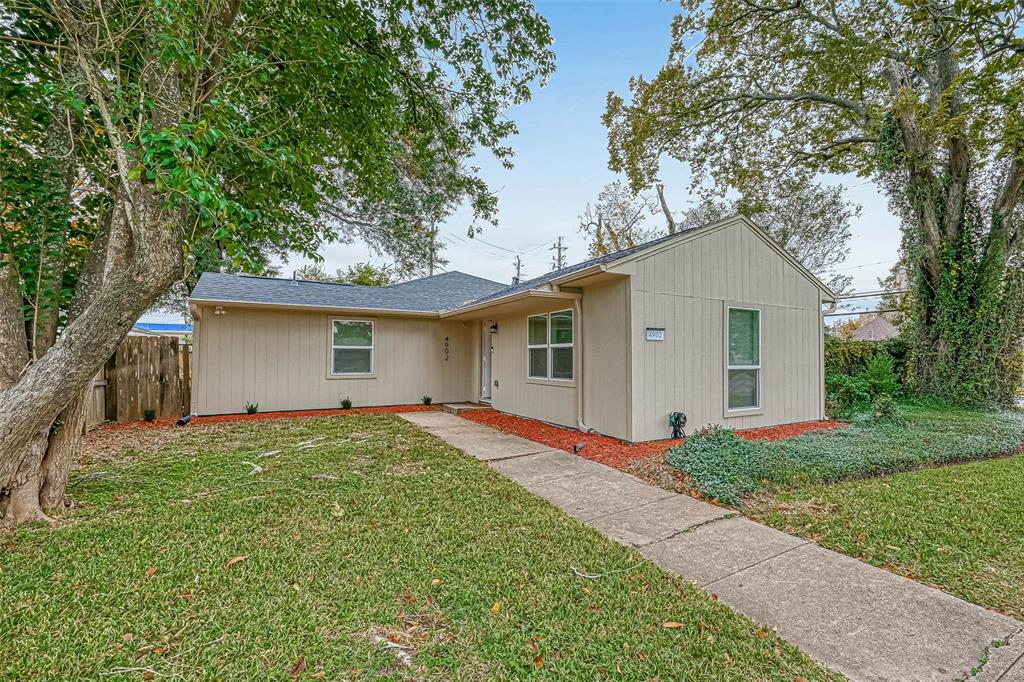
(561, 159)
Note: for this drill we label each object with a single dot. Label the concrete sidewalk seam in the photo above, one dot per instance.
(985, 660)
(524, 454)
(693, 527)
(620, 511)
(756, 563)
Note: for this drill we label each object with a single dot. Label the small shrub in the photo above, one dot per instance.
(846, 394)
(884, 407)
(427, 400)
(879, 377)
(346, 403)
(252, 408)
(149, 414)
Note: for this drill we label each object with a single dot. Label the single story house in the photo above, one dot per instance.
(718, 322)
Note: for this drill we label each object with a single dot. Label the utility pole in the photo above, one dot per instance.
(433, 248)
(558, 260)
(518, 262)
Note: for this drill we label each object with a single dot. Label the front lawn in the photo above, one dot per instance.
(723, 466)
(347, 548)
(960, 528)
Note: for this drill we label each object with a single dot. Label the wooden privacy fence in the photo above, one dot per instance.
(146, 373)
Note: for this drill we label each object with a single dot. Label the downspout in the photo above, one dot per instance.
(832, 306)
(580, 424)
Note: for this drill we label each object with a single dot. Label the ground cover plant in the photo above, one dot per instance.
(726, 467)
(346, 547)
(959, 528)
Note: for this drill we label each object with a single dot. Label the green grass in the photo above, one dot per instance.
(959, 528)
(727, 468)
(376, 531)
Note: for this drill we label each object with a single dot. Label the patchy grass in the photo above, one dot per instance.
(363, 548)
(959, 528)
(726, 467)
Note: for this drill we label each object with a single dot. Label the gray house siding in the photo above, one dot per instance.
(685, 289)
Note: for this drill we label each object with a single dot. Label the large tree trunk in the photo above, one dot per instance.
(44, 390)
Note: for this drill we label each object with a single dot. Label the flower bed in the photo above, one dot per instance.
(603, 449)
(784, 431)
(337, 411)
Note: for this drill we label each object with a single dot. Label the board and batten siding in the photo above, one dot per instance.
(685, 289)
(279, 359)
(606, 359)
(515, 393)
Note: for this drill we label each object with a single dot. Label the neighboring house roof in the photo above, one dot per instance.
(427, 294)
(877, 329)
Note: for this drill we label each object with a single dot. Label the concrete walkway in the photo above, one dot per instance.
(866, 623)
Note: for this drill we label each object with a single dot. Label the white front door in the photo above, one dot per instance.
(486, 350)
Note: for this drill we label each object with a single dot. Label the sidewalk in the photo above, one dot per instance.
(862, 621)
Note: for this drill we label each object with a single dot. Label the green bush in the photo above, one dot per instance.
(726, 467)
(149, 414)
(843, 356)
(875, 386)
(346, 403)
(252, 408)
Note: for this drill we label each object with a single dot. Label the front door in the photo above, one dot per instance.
(486, 349)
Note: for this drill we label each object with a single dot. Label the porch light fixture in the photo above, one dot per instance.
(219, 310)
(494, 328)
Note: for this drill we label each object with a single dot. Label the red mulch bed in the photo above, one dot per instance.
(603, 449)
(260, 416)
(612, 451)
(784, 431)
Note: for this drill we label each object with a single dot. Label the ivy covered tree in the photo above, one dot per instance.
(923, 97)
(141, 137)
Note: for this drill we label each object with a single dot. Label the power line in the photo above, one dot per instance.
(558, 260)
(873, 294)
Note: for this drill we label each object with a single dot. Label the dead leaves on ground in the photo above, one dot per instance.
(234, 561)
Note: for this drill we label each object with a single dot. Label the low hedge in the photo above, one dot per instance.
(726, 467)
(844, 356)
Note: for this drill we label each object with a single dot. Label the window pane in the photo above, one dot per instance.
(353, 333)
(561, 327)
(743, 388)
(561, 363)
(538, 330)
(353, 360)
(744, 337)
(539, 363)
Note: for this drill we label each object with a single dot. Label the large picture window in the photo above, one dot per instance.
(351, 347)
(549, 346)
(743, 364)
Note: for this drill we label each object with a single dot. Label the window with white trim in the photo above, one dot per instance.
(743, 363)
(351, 347)
(549, 346)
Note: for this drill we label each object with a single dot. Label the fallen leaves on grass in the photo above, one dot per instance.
(298, 668)
(496, 608)
(672, 625)
(151, 571)
(233, 561)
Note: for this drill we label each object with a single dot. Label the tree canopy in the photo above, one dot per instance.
(922, 97)
(226, 131)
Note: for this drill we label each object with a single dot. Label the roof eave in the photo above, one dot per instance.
(345, 310)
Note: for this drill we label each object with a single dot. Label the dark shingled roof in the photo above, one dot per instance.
(428, 294)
